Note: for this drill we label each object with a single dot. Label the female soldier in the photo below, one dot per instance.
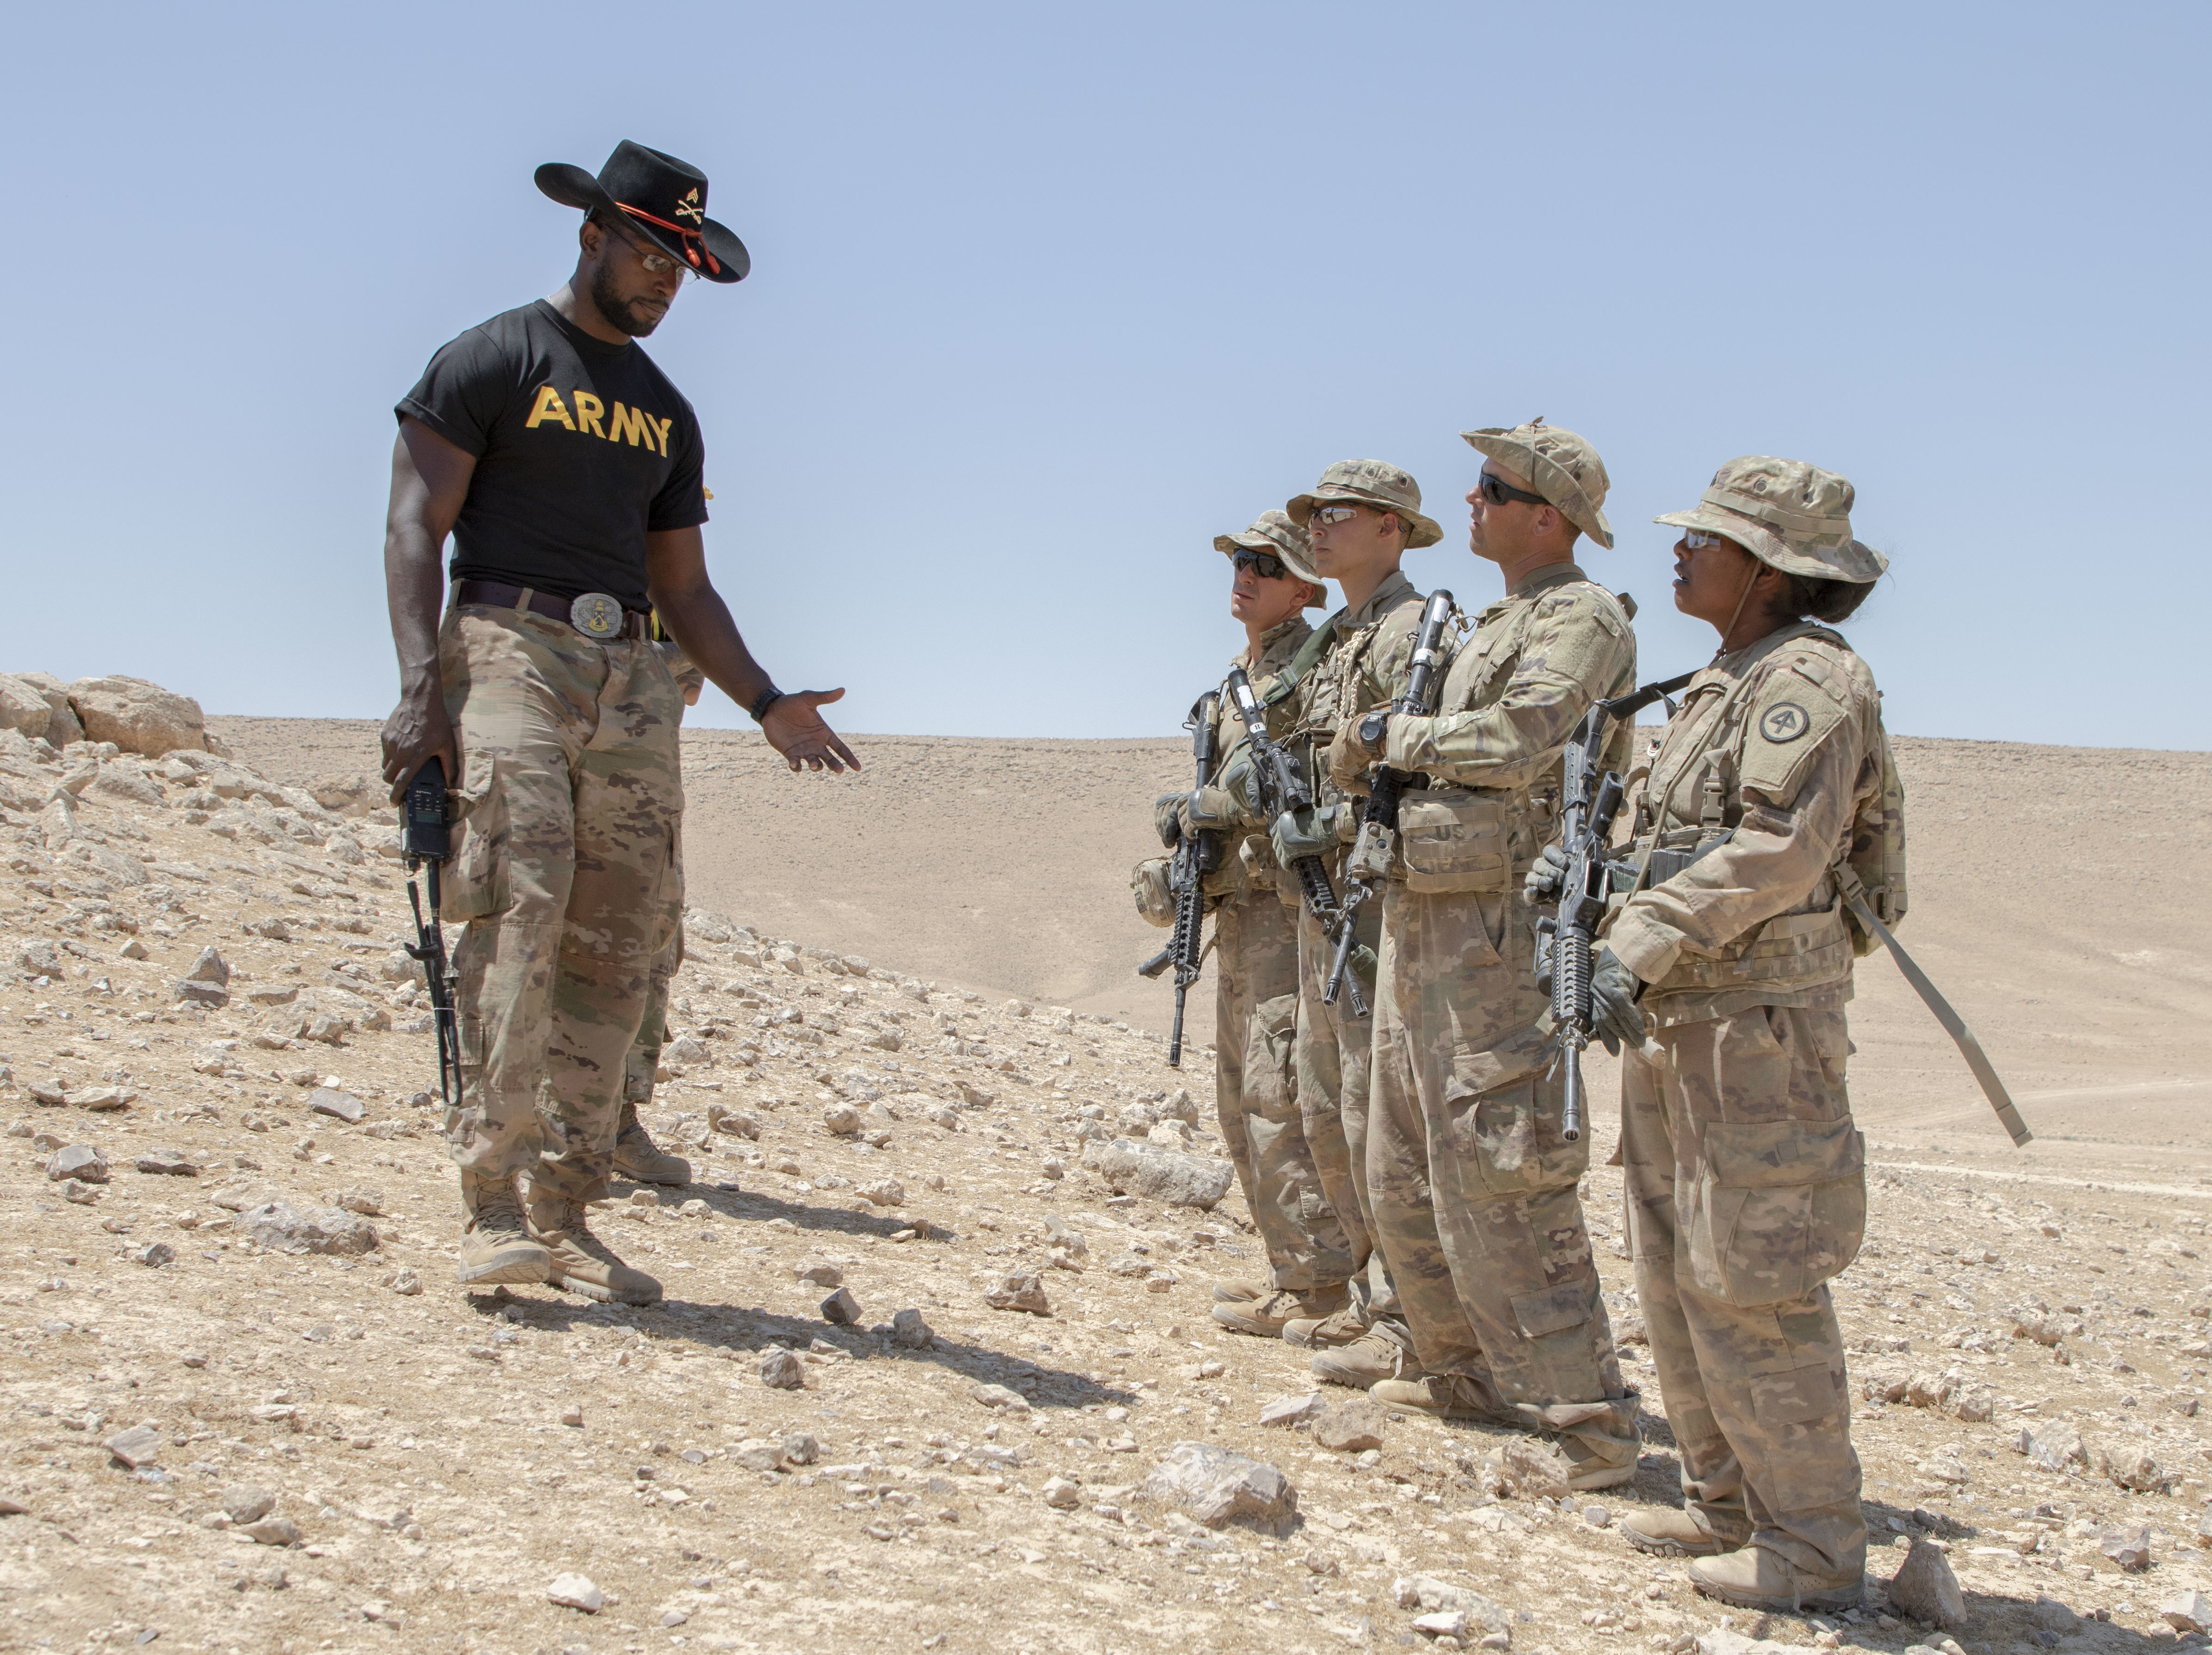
(1770, 795)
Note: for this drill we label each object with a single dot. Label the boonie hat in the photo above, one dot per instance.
(1790, 516)
(1272, 530)
(664, 200)
(1560, 464)
(1370, 483)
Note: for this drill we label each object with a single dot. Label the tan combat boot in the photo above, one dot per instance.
(581, 1262)
(1446, 1396)
(1326, 1332)
(641, 1160)
(1266, 1317)
(1669, 1533)
(496, 1246)
(1755, 1578)
(1229, 1291)
(1595, 1446)
(1384, 1351)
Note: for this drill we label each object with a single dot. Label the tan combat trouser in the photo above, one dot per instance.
(1746, 1193)
(564, 872)
(1256, 1001)
(1331, 1067)
(1474, 1187)
(642, 1066)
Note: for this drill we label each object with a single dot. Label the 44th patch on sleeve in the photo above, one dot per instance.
(1785, 720)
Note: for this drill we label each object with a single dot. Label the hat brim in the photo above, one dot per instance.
(1590, 520)
(572, 186)
(1855, 562)
(1421, 531)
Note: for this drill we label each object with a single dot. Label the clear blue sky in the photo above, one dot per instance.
(1046, 296)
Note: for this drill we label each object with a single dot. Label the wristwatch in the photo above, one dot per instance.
(766, 699)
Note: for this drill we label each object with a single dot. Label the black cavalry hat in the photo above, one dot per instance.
(661, 196)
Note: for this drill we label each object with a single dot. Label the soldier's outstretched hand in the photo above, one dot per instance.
(794, 729)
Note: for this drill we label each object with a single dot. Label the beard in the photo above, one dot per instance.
(618, 312)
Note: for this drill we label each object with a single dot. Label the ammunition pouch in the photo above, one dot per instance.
(1148, 883)
(1454, 839)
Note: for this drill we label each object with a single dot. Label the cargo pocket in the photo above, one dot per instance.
(1780, 1209)
(474, 883)
(1148, 883)
(1808, 1459)
(1454, 840)
(1555, 1310)
(1502, 1119)
(1268, 1052)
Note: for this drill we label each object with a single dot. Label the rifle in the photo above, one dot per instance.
(430, 840)
(1387, 786)
(1565, 939)
(1197, 855)
(1276, 780)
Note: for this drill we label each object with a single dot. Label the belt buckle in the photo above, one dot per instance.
(597, 616)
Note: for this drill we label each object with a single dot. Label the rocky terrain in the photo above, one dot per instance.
(936, 1332)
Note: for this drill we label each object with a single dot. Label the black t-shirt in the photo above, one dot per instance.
(581, 447)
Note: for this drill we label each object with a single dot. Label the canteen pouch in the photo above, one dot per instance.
(1780, 1209)
(1148, 883)
(1452, 839)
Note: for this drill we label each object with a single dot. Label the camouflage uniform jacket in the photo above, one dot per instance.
(1514, 692)
(1779, 748)
(1246, 858)
(1360, 657)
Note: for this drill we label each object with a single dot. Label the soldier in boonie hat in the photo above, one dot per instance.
(1560, 464)
(1372, 482)
(1272, 534)
(1788, 514)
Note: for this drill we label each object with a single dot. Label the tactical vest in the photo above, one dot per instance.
(1792, 950)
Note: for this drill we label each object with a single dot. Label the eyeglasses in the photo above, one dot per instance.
(1265, 564)
(1495, 489)
(655, 262)
(1696, 540)
(1325, 515)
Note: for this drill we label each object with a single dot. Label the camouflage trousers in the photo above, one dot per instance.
(1746, 1193)
(1330, 1066)
(1255, 1001)
(642, 1066)
(564, 875)
(1475, 1190)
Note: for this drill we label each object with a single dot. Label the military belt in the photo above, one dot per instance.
(497, 594)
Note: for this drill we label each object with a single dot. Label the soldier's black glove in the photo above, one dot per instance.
(1167, 817)
(1541, 883)
(1613, 989)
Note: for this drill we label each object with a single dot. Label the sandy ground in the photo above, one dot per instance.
(416, 1438)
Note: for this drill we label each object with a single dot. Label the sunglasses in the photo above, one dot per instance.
(1495, 489)
(1325, 515)
(1265, 564)
(1698, 540)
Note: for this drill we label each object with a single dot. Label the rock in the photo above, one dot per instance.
(22, 708)
(1017, 1292)
(910, 1332)
(801, 1448)
(404, 1281)
(842, 1308)
(1161, 1175)
(1061, 1494)
(100, 1101)
(781, 1371)
(79, 1161)
(2190, 1612)
(367, 1202)
(40, 959)
(140, 1445)
(722, 1118)
(1350, 1427)
(133, 949)
(1425, 1592)
(2133, 1468)
(819, 1272)
(883, 1192)
(203, 994)
(1000, 1397)
(2053, 1446)
(338, 1105)
(841, 1119)
(1536, 1468)
(166, 1163)
(1295, 1411)
(1926, 1588)
(137, 716)
(81, 1195)
(2129, 1547)
(247, 1502)
(274, 1532)
(575, 1591)
(154, 1255)
(325, 1230)
(1219, 1489)
(1449, 1623)
(209, 967)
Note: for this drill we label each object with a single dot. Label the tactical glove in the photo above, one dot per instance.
(1308, 833)
(1211, 808)
(1167, 817)
(1543, 881)
(1349, 759)
(1237, 777)
(1613, 989)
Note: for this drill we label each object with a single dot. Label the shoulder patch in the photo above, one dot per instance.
(1788, 723)
(1785, 720)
